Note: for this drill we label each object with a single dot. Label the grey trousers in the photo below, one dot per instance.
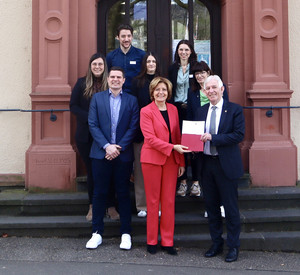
(140, 197)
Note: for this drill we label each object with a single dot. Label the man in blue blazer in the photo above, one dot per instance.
(222, 166)
(113, 121)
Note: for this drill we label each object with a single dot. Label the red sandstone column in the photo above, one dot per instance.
(50, 160)
(272, 156)
(234, 62)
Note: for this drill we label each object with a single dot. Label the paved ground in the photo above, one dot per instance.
(69, 256)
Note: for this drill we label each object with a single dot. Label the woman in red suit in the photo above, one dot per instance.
(162, 162)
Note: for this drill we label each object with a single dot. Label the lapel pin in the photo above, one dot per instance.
(225, 111)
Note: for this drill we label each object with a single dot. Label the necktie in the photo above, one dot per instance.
(212, 129)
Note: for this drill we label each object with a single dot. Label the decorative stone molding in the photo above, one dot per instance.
(272, 155)
(51, 160)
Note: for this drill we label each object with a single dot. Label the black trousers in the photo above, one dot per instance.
(84, 149)
(218, 189)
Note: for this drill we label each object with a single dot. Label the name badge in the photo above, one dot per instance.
(191, 76)
(132, 62)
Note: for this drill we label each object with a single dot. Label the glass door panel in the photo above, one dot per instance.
(138, 20)
(179, 22)
(191, 17)
(201, 31)
(116, 16)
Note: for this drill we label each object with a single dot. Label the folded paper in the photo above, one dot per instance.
(191, 134)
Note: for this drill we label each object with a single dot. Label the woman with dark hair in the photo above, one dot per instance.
(162, 162)
(140, 89)
(180, 76)
(85, 87)
(196, 94)
(197, 98)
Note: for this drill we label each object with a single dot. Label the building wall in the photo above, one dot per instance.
(294, 40)
(15, 83)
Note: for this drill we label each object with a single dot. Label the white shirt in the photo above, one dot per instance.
(219, 106)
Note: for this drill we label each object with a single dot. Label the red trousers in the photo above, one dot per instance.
(160, 187)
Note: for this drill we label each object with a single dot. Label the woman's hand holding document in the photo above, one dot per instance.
(191, 135)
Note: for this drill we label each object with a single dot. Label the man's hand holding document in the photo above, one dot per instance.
(191, 134)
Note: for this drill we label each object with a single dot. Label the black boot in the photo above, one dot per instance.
(169, 249)
(152, 249)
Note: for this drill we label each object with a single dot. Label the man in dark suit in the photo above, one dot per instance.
(113, 121)
(222, 166)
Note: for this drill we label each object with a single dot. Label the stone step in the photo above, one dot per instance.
(76, 226)
(185, 223)
(20, 202)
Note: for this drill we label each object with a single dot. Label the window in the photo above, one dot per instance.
(137, 19)
(190, 20)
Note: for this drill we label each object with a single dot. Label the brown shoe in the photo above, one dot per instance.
(89, 215)
(112, 213)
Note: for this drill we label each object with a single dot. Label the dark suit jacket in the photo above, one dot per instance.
(100, 124)
(79, 106)
(230, 133)
(193, 102)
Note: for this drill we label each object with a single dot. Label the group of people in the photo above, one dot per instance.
(129, 118)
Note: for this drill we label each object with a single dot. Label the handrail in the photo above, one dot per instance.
(53, 117)
(269, 113)
(270, 107)
(44, 110)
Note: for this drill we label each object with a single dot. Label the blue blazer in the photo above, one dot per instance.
(100, 123)
(230, 133)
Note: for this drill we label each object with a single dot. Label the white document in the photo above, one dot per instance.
(193, 127)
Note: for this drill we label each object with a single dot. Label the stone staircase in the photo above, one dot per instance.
(270, 218)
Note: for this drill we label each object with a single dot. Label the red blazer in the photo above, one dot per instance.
(156, 148)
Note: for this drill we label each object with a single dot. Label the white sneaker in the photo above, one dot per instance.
(205, 214)
(159, 213)
(125, 242)
(94, 242)
(142, 214)
(222, 211)
(182, 190)
(195, 190)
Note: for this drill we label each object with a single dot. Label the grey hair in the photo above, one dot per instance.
(211, 77)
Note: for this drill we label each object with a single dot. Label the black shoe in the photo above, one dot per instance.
(214, 251)
(152, 249)
(232, 255)
(169, 249)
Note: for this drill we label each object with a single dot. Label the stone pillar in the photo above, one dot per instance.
(272, 155)
(50, 160)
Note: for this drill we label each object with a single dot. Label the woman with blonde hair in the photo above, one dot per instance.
(85, 87)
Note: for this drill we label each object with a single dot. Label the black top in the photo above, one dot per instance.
(143, 97)
(79, 106)
(166, 118)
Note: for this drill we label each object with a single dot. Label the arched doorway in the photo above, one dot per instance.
(159, 25)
